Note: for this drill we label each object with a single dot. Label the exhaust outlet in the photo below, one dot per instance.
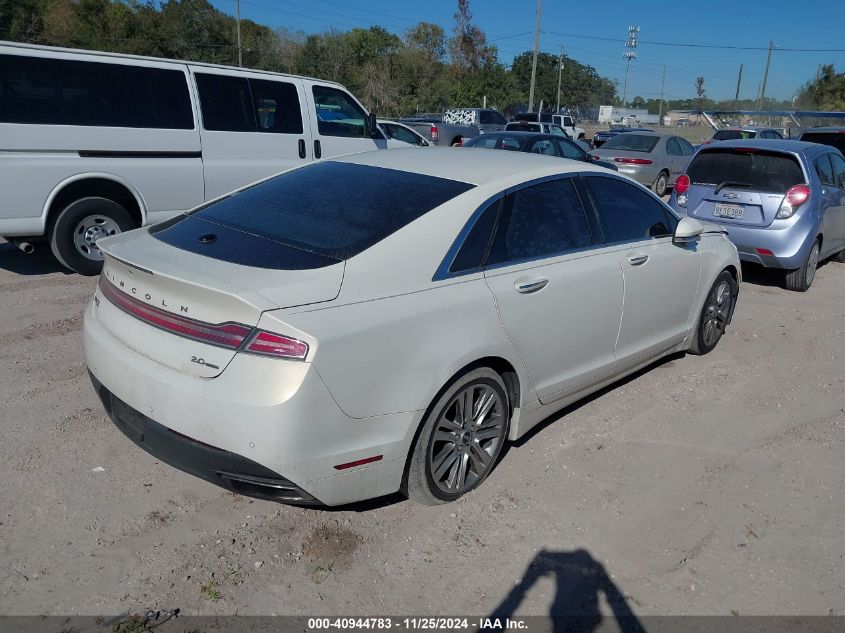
(26, 247)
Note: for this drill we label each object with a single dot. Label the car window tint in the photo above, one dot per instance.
(838, 170)
(484, 117)
(633, 142)
(824, 170)
(498, 119)
(763, 170)
(686, 147)
(544, 146)
(673, 147)
(540, 220)
(400, 134)
(511, 143)
(485, 141)
(44, 91)
(524, 127)
(571, 150)
(226, 103)
(338, 114)
(276, 106)
(474, 248)
(627, 212)
(834, 139)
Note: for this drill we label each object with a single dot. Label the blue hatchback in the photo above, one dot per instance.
(781, 202)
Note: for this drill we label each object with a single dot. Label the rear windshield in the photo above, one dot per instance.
(834, 139)
(759, 170)
(523, 127)
(632, 142)
(733, 135)
(332, 209)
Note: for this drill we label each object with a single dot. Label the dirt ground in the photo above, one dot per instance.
(704, 485)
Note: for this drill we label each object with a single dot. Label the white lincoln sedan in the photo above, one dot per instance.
(386, 321)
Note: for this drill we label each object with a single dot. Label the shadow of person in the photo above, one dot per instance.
(579, 580)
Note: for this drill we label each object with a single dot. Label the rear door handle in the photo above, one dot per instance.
(302, 148)
(318, 151)
(526, 287)
(637, 260)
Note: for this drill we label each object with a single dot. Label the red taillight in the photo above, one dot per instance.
(633, 161)
(228, 335)
(270, 344)
(798, 195)
(764, 251)
(682, 184)
(434, 133)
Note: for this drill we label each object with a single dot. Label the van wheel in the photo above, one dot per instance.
(714, 315)
(74, 232)
(800, 279)
(461, 438)
(661, 184)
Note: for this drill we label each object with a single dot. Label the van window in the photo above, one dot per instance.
(47, 91)
(276, 106)
(338, 114)
(225, 103)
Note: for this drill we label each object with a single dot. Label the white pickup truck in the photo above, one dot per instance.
(563, 120)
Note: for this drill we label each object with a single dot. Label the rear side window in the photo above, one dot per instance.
(756, 169)
(331, 209)
(474, 248)
(673, 147)
(834, 139)
(46, 91)
(276, 106)
(838, 170)
(628, 213)
(732, 135)
(686, 146)
(571, 150)
(824, 169)
(338, 114)
(539, 221)
(524, 127)
(633, 142)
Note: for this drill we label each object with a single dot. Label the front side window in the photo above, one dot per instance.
(226, 103)
(540, 221)
(544, 146)
(571, 150)
(627, 212)
(48, 91)
(399, 133)
(338, 114)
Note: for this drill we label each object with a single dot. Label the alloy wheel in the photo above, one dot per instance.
(716, 313)
(466, 439)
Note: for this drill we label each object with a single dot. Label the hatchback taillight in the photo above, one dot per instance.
(682, 184)
(234, 336)
(794, 198)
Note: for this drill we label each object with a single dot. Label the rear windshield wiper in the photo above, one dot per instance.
(732, 184)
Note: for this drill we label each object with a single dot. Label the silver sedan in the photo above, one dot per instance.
(655, 160)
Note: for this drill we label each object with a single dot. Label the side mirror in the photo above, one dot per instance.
(372, 125)
(687, 229)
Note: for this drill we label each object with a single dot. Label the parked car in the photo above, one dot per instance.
(537, 128)
(401, 132)
(536, 143)
(744, 133)
(93, 144)
(262, 342)
(563, 120)
(600, 138)
(434, 129)
(782, 202)
(833, 136)
(653, 159)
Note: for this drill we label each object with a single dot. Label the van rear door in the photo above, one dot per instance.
(338, 122)
(252, 126)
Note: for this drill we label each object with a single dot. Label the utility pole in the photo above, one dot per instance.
(630, 44)
(534, 63)
(762, 99)
(238, 22)
(559, 76)
(738, 82)
(660, 109)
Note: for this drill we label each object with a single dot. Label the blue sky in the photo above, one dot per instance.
(509, 24)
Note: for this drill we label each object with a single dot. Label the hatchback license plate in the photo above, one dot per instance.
(728, 211)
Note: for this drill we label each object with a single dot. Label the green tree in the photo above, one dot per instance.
(826, 91)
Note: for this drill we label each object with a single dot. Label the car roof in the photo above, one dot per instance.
(782, 145)
(831, 129)
(477, 168)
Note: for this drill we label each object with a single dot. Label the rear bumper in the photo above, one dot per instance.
(789, 245)
(261, 418)
(220, 467)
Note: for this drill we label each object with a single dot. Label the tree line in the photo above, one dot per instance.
(425, 69)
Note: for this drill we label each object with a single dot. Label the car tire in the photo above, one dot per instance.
(661, 184)
(74, 231)
(453, 453)
(456, 142)
(800, 279)
(715, 314)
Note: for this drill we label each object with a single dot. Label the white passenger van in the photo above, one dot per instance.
(92, 144)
